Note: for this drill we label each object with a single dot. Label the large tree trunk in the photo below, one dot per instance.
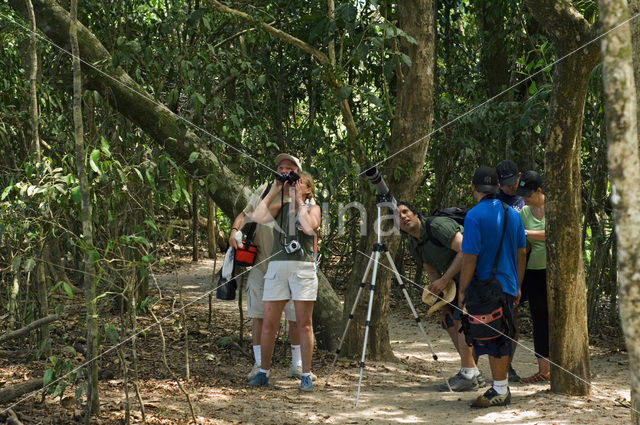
(568, 31)
(634, 10)
(169, 132)
(412, 123)
(624, 171)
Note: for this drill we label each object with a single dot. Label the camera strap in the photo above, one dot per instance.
(252, 229)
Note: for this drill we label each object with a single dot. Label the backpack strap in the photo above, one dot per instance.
(429, 234)
(252, 228)
(494, 270)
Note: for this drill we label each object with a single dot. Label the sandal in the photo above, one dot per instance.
(537, 377)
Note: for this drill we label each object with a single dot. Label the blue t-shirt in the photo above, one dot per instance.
(482, 229)
(514, 201)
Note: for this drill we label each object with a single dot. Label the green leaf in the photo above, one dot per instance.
(15, 264)
(344, 93)
(406, 59)
(151, 224)
(29, 265)
(93, 161)
(5, 192)
(67, 290)
(147, 258)
(48, 377)
(193, 157)
(75, 194)
(533, 88)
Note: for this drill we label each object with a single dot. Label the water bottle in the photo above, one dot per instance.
(238, 238)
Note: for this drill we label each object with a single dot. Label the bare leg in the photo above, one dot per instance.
(499, 367)
(294, 336)
(304, 311)
(543, 366)
(270, 325)
(467, 358)
(256, 331)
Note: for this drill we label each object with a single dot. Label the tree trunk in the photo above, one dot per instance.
(495, 61)
(194, 221)
(211, 228)
(568, 31)
(624, 171)
(93, 401)
(634, 10)
(32, 81)
(414, 112)
(17, 390)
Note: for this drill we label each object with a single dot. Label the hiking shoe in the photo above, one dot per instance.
(261, 379)
(296, 372)
(459, 383)
(254, 371)
(481, 381)
(492, 398)
(513, 375)
(306, 384)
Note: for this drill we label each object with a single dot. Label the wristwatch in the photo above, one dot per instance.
(526, 233)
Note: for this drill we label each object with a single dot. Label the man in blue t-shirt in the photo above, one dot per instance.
(482, 231)
(508, 176)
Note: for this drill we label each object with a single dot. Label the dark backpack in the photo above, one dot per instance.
(455, 213)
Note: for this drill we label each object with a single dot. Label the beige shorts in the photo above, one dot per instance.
(255, 289)
(290, 280)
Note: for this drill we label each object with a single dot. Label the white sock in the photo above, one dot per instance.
(257, 353)
(265, 371)
(296, 357)
(469, 372)
(501, 387)
(306, 374)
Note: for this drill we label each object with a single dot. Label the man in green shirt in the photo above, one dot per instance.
(442, 259)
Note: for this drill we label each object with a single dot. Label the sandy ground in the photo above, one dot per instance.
(391, 392)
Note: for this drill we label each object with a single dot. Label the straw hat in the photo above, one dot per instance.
(447, 295)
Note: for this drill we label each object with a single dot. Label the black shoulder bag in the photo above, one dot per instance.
(485, 303)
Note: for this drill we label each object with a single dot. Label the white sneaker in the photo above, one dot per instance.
(296, 372)
(254, 371)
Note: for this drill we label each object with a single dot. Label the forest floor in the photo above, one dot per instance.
(398, 392)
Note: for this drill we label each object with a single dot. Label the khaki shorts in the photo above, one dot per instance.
(290, 280)
(255, 289)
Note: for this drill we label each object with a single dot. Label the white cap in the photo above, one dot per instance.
(282, 156)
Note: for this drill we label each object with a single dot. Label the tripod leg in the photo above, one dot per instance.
(353, 309)
(416, 317)
(376, 258)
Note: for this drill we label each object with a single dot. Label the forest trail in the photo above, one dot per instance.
(401, 392)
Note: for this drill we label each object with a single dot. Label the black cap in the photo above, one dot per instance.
(485, 179)
(507, 173)
(530, 181)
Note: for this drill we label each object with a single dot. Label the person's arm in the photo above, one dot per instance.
(466, 273)
(536, 235)
(309, 219)
(265, 211)
(440, 282)
(522, 263)
(238, 224)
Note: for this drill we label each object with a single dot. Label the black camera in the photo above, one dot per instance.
(290, 177)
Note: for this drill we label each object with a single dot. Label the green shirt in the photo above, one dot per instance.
(424, 251)
(538, 256)
(283, 221)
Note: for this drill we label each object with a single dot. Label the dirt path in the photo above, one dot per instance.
(402, 392)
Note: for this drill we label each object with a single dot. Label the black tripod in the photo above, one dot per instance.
(379, 247)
